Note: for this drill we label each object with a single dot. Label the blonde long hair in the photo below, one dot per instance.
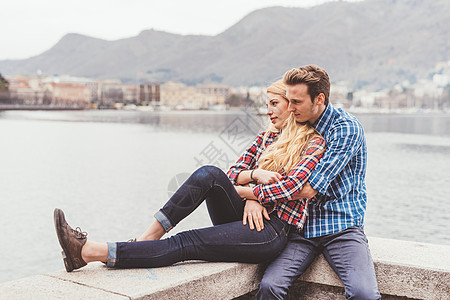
(277, 88)
(286, 152)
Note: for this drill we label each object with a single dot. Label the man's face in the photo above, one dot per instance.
(300, 103)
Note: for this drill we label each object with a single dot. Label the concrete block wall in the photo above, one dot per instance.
(405, 270)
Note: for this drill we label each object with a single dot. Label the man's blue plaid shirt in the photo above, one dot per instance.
(339, 177)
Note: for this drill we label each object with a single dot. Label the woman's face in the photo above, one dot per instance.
(277, 110)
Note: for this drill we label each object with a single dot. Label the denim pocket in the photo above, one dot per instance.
(278, 226)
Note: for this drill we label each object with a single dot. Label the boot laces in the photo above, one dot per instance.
(78, 233)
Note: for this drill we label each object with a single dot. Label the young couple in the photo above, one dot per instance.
(286, 200)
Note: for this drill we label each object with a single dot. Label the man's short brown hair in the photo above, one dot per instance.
(314, 77)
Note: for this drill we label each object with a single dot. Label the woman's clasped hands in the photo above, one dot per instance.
(266, 177)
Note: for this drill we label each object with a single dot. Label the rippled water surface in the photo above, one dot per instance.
(112, 170)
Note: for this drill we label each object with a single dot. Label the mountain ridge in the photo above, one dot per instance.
(373, 44)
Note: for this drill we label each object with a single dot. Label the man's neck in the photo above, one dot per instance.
(318, 114)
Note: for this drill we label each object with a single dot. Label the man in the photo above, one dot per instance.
(334, 225)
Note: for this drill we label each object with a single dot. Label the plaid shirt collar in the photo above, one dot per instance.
(324, 121)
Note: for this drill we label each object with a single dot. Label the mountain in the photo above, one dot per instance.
(373, 43)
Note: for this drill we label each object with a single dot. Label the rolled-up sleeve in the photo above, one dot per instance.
(288, 186)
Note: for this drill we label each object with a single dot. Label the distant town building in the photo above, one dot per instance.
(423, 94)
(181, 96)
(67, 95)
(24, 92)
(130, 94)
(90, 83)
(219, 92)
(150, 94)
(341, 95)
(48, 91)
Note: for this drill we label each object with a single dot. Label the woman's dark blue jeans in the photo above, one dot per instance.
(228, 240)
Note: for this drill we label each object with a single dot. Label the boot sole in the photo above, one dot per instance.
(57, 215)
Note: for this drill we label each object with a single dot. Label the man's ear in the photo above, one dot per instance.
(320, 99)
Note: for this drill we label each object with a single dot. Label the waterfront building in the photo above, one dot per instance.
(217, 94)
(38, 90)
(90, 83)
(26, 91)
(181, 96)
(150, 94)
(130, 95)
(68, 94)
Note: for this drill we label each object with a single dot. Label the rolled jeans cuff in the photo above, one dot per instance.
(164, 221)
(112, 254)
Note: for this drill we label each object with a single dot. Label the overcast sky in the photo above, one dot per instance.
(30, 27)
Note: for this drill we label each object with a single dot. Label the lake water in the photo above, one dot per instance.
(112, 170)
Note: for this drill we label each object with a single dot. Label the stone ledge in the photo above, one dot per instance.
(404, 269)
(46, 287)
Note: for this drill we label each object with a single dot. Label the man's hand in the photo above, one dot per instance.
(266, 177)
(306, 192)
(254, 212)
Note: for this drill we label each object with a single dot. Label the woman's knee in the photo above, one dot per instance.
(206, 172)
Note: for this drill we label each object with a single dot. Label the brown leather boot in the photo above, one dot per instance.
(71, 241)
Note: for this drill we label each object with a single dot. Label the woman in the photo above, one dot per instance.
(283, 169)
